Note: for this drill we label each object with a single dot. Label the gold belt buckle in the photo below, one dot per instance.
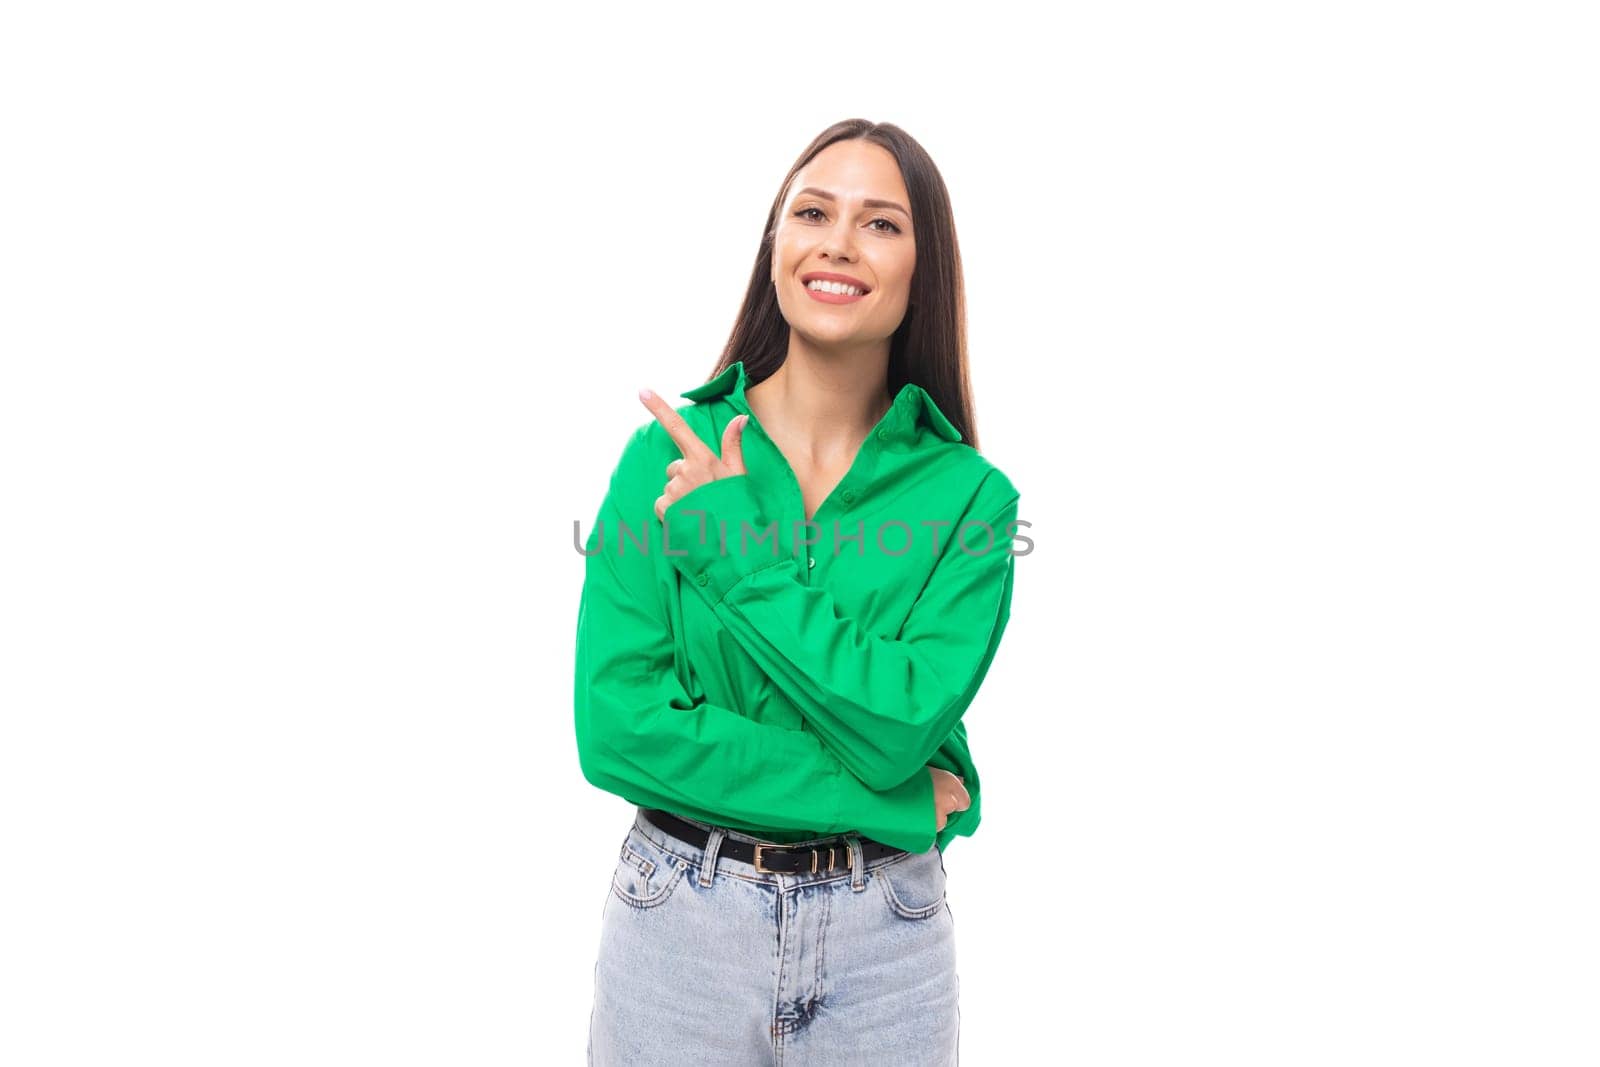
(815, 860)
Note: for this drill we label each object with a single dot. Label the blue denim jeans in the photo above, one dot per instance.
(707, 960)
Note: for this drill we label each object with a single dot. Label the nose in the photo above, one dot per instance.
(840, 241)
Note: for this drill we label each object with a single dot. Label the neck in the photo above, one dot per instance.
(823, 405)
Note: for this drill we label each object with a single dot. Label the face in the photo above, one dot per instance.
(847, 214)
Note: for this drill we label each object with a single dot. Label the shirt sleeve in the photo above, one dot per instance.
(882, 704)
(641, 737)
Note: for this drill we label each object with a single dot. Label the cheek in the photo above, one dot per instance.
(902, 291)
(783, 243)
(900, 269)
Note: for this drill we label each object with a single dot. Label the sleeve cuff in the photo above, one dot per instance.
(903, 816)
(718, 534)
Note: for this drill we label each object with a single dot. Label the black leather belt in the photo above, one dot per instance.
(772, 859)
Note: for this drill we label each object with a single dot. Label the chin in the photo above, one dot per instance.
(849, 339)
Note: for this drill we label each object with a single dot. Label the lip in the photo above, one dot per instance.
(830, 276)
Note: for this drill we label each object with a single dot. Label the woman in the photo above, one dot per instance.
(778, 638)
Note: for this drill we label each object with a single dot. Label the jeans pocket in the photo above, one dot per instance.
(914, 887)
(646, 874)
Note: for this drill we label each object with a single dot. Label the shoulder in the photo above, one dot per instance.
(986, 488)
(994, 480)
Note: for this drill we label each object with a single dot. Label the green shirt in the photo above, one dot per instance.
(786, 689)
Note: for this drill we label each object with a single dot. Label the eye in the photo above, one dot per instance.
(805, 212)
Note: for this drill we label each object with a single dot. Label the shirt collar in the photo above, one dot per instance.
(912, 405)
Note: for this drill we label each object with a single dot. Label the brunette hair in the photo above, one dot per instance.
(929, 348)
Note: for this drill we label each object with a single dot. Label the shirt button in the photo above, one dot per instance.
(849, 495)
(811, 561)
(701, 579)
(883, 435)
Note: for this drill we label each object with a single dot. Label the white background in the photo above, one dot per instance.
(322, 323)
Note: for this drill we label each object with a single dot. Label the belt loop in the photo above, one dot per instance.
(708, 862)
(858, 862)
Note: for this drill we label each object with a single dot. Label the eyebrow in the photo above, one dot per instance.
(890, 204)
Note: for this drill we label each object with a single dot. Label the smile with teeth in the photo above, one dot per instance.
(840, 288)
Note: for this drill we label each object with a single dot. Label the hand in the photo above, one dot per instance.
(949, 794)
(699, 464)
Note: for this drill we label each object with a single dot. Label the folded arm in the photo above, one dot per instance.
(882, 704)
(641, 737)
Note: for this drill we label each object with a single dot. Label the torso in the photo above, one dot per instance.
(816, 484)
(816, 480)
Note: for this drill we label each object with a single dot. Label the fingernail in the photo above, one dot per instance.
(645, 394)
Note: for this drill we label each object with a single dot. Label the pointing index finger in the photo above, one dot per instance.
(687, 440)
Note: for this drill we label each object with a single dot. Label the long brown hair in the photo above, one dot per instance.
(929, 348)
